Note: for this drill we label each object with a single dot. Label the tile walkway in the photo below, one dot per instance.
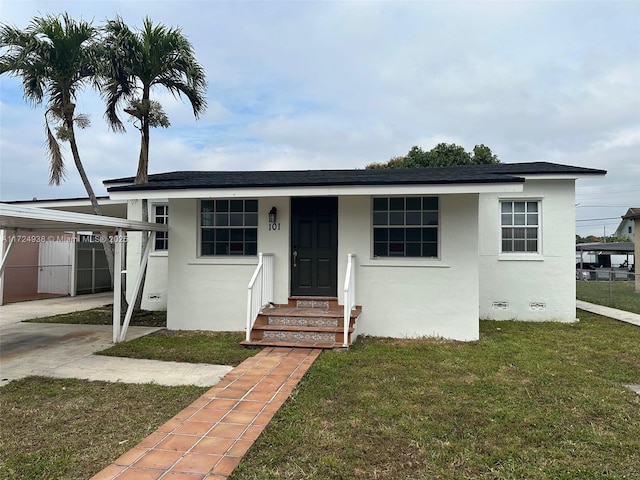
(206, 440)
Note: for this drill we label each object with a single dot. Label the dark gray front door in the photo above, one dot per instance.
(314, 243)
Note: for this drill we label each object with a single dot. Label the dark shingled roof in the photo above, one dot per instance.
(472, 174)
(611, 248)
(632, 214)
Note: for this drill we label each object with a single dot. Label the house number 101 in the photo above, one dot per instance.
(274, 226)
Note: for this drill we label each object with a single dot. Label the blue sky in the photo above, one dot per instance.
(332, 84)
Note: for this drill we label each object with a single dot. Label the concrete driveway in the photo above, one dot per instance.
(67, 351)
(17, 312)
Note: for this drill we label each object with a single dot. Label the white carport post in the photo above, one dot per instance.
(5, 255)
(138, 285)
(117, 287)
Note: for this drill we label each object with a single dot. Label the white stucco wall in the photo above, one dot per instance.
(636, 255)
(410, 297)
(441, 297)
(530, 286)
(155, 287)
(210, 293)
(400, 298)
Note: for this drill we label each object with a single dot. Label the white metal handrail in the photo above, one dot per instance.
(260, 289)
(349, 295)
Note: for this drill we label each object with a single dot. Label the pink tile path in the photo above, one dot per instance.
(206, 440)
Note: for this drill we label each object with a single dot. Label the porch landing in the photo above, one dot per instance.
(307, 322)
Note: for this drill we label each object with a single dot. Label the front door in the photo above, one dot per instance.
(314, 246)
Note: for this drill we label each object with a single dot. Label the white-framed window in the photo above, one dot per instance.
(405, 227)
(520, 226)
(228, 227)
(161, 215)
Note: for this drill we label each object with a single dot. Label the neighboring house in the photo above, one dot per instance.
(434, 249)
(633, 214)
(626, 229)
(44, 264)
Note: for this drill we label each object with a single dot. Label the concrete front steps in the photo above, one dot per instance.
(308, 322)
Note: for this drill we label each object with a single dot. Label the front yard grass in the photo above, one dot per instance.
(221, 348)
(619, 295)
(528, 400)
(70, 429)
(104, 316)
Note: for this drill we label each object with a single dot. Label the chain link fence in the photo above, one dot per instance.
(612, 287)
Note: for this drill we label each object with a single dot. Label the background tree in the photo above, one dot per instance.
(482, 155)
(56, 57)
(138, 62)
(442, 155)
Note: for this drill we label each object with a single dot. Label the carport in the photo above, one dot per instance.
(17, 221)
(605, 250)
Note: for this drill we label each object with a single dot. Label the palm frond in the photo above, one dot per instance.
(82, 121)
(57, 170)
(55, 56)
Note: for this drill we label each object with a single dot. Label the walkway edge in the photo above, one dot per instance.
(621, 315)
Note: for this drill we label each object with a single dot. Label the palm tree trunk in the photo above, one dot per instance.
(142, 177)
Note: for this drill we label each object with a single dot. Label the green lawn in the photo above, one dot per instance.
(104, 316)
(222, 348)
(615, 294)
(527, 401)
(54, 429)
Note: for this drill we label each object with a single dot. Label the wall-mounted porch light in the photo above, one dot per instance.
(273, 215)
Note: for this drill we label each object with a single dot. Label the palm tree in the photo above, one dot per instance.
(56, 57)
(155, 56)
(138, 62)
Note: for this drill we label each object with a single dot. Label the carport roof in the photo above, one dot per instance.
(606, 248)
(18, 217)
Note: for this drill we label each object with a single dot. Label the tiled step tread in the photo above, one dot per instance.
(308, 312)
(302, 312)
(296, 325)
(313, 302)
(296, 328)
(282, 343)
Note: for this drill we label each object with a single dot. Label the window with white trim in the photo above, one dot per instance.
(161, 215)
(405, 227)
(228, 227)
(520, 226)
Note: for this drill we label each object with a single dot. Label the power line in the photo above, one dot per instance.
(596, 219)
(602, 206)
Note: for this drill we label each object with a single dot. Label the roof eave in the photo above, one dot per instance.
(514, 186)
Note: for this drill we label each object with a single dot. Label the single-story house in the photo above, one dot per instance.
(409, 252)
(633, 214)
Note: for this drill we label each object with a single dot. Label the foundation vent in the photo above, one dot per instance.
(537, 306)
(500, 305)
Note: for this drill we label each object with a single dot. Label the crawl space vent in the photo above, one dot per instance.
(500, 305)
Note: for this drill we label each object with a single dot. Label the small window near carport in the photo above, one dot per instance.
(161, 215)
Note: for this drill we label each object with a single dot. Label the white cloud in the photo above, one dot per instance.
(343, 84)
